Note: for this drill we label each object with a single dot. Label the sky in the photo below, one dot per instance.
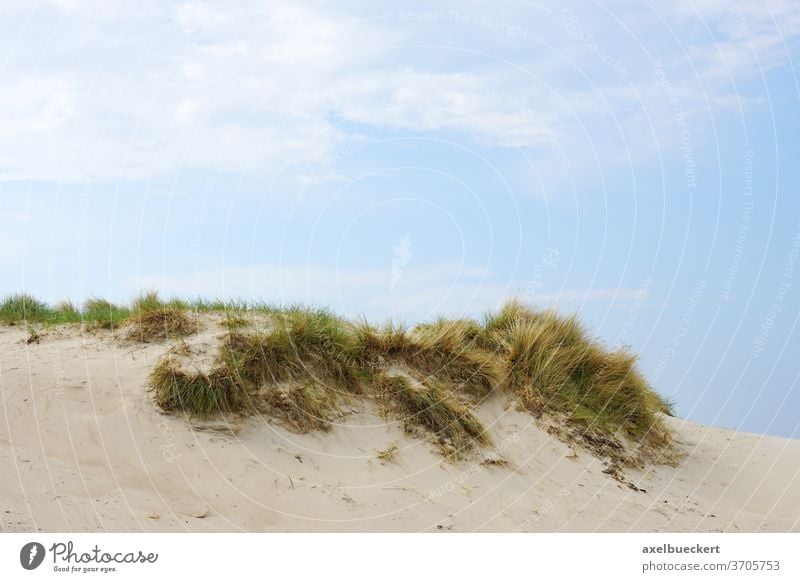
(634, 162)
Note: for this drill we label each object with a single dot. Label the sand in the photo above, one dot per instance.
(83, 448)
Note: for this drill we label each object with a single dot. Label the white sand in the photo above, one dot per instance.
(83, 448)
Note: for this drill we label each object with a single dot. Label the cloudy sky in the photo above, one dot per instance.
(635, 162)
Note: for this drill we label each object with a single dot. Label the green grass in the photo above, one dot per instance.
(446, 350)
(20, 308)
(148, 317)
(451, 350)
(301, 364)
(554, 365)
(147, 301)
(102, 314)
(68, 310)
(301, 344)
(196, 393)
(152, 319)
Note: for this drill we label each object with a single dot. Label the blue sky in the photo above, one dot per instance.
(634, 162)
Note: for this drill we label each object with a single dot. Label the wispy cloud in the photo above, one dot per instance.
(252, 87)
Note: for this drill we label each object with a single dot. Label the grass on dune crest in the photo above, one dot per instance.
(310, 361)
(553, 365)
(445, 349)
(98, 313)
(301, 344)
(147, 319)
(301, 364)
(22, 308)
(153, 319)
(103, 314)
(68, 310)
(298, 371)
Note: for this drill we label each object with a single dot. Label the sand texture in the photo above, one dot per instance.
(84, 448)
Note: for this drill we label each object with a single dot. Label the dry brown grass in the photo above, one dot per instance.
(432, 408)
(387, 455)
(159, 324)
(196, 393)
(445, 350)
(235, 321)
(555, 368)
(302, 406)
(303, 346)
(310, 362)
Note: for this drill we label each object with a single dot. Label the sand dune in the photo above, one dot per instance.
(83, 448)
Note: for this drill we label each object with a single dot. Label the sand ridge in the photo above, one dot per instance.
(84, 448)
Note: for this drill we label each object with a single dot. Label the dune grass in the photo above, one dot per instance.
(433, 375)
(102, 314)
(301, 364)
(298, 371)
(444, 349)
(152, 319)
(68, 310)
(552, 364)
(301, 344)
(22, 308)
(432, 407)
(234, 321)
(196, 393)
(303, 406)
(148, 318)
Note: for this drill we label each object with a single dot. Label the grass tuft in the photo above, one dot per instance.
(554, 367)
(451, 351)
(147, 302)
(67, 312)
(155, 320)
(302, 344)
(22, 307)
(33, 335)
(196, 393)
(102, 314)
(432, 408)
(304, 363)
(445, 349)
(159, 324)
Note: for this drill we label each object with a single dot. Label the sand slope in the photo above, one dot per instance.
(82, 448)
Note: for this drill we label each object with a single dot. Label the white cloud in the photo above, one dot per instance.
(251, 86)
(35, 104)
(408, 100)
(744, 38)
(202, 18)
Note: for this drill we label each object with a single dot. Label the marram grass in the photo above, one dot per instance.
(432, 407)
(147, 319)
(196, 393)
(306, 363)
